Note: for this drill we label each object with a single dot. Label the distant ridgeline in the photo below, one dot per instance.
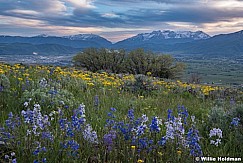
(179, 42)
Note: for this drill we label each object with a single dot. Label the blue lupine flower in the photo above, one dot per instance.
(110, 123)
(70, 132)
(154, 126)
(47, 135)
(113, 109)
(62, 123)
(111, 115)
(140, 129)
(89, 134)
(14, 160)
(43, 149)
(162, 141)
(73, 144)
(12, 122)
(10, 115)
(130, 114)
(44, 160)
(170, 116)
(1, 88)
(125, 130)
(36, 161)
(193, 142)
(143, 143)
(108, 139)
(235, 121)
(53, 92)
(36, 152)
(169, 130)
(182, 112)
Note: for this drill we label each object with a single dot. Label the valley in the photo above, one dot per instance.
(218, 70)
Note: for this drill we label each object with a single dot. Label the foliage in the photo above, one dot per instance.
(141, 85)
(100, 59)
(114, 117)
(135, 62)
(4, 83)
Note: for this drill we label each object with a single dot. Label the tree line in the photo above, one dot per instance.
(135, 62)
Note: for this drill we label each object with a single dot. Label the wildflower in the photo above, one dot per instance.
(182, 112)
(162, 141)
(89, 134)
(140, 129)
(14, 160)
(144, 118)
(133, 147)
(213, 133)
(193, 118)
(113, 109)
(170, 116)
(216, 132)
(12, 154)
(108, 139)
(73, 144)
(44, 160)
(26, 104)
(235, 121)
(193, 142)
(140, 161)
(179, 152)
(131, 114)
(36, 152)
(43, 83)
(154, 126)
(160, 153)
(47, 135)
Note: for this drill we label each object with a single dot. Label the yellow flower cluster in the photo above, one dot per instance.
(22, 73)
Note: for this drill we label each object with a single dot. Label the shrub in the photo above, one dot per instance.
(136, 62)
(142, 85)
(4, 83)
(100, 59)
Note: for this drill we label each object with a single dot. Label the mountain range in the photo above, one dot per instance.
(166, 41)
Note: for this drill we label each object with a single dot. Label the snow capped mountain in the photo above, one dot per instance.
(167, 34)
(157, 39)
(89, 38)
(42, 35)
(82, 37)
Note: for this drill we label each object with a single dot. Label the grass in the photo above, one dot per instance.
(215, 69)
(120, 119)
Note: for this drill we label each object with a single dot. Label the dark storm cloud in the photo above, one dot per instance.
(132, 17)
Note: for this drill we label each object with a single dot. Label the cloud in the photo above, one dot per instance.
(81, 3)
(111, 17)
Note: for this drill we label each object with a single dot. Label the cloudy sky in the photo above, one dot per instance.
(118, 19)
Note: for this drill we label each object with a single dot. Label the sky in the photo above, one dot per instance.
(118, 19)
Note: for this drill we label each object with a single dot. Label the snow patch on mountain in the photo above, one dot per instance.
(82, 37)
(167, 34)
